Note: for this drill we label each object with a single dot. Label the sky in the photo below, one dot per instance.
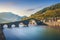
(25, 7)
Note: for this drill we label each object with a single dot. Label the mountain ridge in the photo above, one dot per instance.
(9, 17)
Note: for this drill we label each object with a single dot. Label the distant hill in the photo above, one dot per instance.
(9, 17)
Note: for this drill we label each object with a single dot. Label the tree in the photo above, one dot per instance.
(57, 12)
(50, 13)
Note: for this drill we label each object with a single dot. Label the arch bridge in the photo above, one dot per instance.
(12, 24)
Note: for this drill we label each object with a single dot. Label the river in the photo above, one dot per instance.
(26, 33)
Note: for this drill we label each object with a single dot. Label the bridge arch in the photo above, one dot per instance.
(5, 26)
(13, 25)
(21, 24)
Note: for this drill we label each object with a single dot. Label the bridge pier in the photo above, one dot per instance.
(9, 26)
(1, 26)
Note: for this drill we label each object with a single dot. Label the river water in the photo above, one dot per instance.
(26, 33)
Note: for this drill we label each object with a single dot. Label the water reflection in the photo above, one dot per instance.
(23, 33)
(32, 33)
(52, 33)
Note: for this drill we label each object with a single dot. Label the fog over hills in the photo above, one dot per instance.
(9, 17)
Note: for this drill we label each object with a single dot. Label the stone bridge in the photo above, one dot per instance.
(24, 23)
(12, 24)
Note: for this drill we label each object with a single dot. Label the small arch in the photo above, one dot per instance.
(21, 24)
(5, 26)
(32, 23)
(13, 25)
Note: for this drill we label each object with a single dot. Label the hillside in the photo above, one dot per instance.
(52, 11)
(52, 7)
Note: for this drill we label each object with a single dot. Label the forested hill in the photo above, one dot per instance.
(48, 12)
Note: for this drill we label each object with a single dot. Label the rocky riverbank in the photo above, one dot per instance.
(53, 24)
(2, 37)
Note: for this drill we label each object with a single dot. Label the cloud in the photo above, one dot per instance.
(30, 9)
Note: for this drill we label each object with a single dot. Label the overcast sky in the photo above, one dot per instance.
(25, 7)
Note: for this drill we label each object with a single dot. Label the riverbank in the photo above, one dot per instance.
(53, 24)
(2, 37)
